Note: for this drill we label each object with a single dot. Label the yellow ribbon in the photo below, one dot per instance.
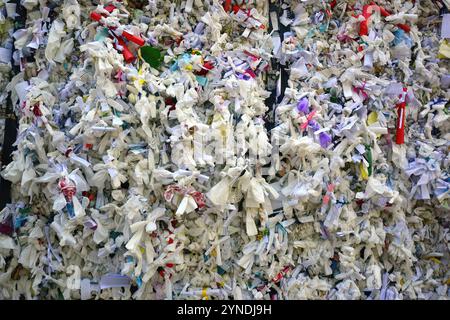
(372, 118)
(435, 260)
(204, 293)
(364, 172)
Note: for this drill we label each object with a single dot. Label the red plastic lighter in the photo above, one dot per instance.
(401, 114)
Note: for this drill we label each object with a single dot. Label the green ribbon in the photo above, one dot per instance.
(369, 158)
(151, 55)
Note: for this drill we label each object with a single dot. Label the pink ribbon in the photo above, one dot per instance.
(361, 90)
(308, 119)
(326, 198)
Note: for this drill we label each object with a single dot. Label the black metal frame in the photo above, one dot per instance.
(11, 123)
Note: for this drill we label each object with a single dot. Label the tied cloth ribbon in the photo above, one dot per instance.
(330, 190)
(198, 196)
(67, 188)
(367, 13)
(281, 274)
(344, 38)
(308, 119)
(360, 90)
(37, 110)
(237, 9)
(303, 106)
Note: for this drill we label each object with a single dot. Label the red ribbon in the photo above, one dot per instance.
(227, 5)
(367, 12)
(236, 9)
(281, 274)
(37, 111)
(330, 189)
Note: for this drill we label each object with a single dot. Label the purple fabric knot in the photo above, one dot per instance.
(324, 139)
(314, 125)
(303, 105)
